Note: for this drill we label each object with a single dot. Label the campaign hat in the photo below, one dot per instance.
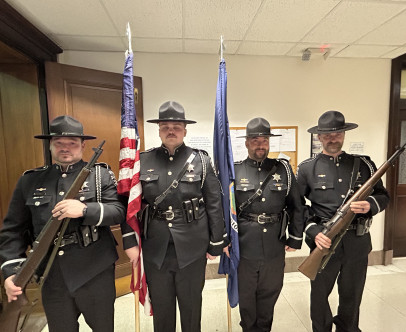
(65, 126)
(258, 127)
(171, 111)
(331, 122)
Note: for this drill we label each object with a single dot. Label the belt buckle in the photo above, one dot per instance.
(259, 217)
(169, 215)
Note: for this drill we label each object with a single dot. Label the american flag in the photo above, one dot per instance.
(129, 175)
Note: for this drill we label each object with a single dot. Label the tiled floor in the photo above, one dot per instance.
(383, 307)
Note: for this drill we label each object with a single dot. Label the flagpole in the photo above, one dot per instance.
(229, 322)
(137, 301)
(221, 48)
(229, 326)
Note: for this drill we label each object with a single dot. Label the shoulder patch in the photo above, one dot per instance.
(39, 169)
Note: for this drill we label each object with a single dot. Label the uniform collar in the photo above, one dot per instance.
(71, 168)
(178, 149)
(262, 163)
(342, 155)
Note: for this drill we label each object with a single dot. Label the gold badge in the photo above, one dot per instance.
(321, 175)
(276, 177)
(244, 181)
(190, 168)
(150, 170)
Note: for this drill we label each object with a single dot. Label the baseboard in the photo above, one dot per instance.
(292, 263)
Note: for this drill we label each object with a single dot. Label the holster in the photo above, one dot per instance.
(195, 206)
(87, 235)
(284, 224)
(191, 209)
(144, 215)
(363, 225)
(188, 210)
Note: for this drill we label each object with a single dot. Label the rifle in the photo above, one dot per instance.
(10, 315)
(337, 226)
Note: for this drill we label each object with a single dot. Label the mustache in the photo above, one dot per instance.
(170, 135)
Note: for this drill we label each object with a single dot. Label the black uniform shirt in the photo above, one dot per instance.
(191, 240)
(34, 197)
(259, 241)
(325, 180)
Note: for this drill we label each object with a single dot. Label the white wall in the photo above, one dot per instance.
(286, 91)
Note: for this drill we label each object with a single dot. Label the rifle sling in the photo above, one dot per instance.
(175, 182)
(258, 193)
(355, 170)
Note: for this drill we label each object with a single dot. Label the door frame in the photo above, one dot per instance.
(398, 64)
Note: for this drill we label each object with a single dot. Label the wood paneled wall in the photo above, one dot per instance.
(19, 121)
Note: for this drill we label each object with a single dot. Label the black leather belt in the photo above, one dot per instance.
(262, 218)
(169, 214)
(355, 227)
(68, 239)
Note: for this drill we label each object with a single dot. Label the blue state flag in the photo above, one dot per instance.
(224, 164)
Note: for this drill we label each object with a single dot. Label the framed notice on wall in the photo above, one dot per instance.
(284, 146)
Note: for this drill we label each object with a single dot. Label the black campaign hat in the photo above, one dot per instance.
(258, 127)
(331, 122)
(171, 111)
(65, 126)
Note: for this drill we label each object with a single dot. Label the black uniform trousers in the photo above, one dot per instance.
(259, 285)
(95, 300)
(170, 283)
(350, 269)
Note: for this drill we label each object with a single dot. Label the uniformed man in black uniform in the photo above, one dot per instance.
(325, 180)
(81, 279)
(186, 224)
(262, 226)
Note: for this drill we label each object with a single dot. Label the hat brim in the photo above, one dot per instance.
(347, 126)
(85, 137)
(259, 135)
(171, 120)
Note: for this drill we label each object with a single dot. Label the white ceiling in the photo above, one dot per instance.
(352, 28)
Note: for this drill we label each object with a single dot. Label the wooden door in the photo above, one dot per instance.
(395, 214)
(94, 98)
(20, 120)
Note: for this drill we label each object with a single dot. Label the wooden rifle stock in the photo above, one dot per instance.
(9, 317)
(337, 226)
